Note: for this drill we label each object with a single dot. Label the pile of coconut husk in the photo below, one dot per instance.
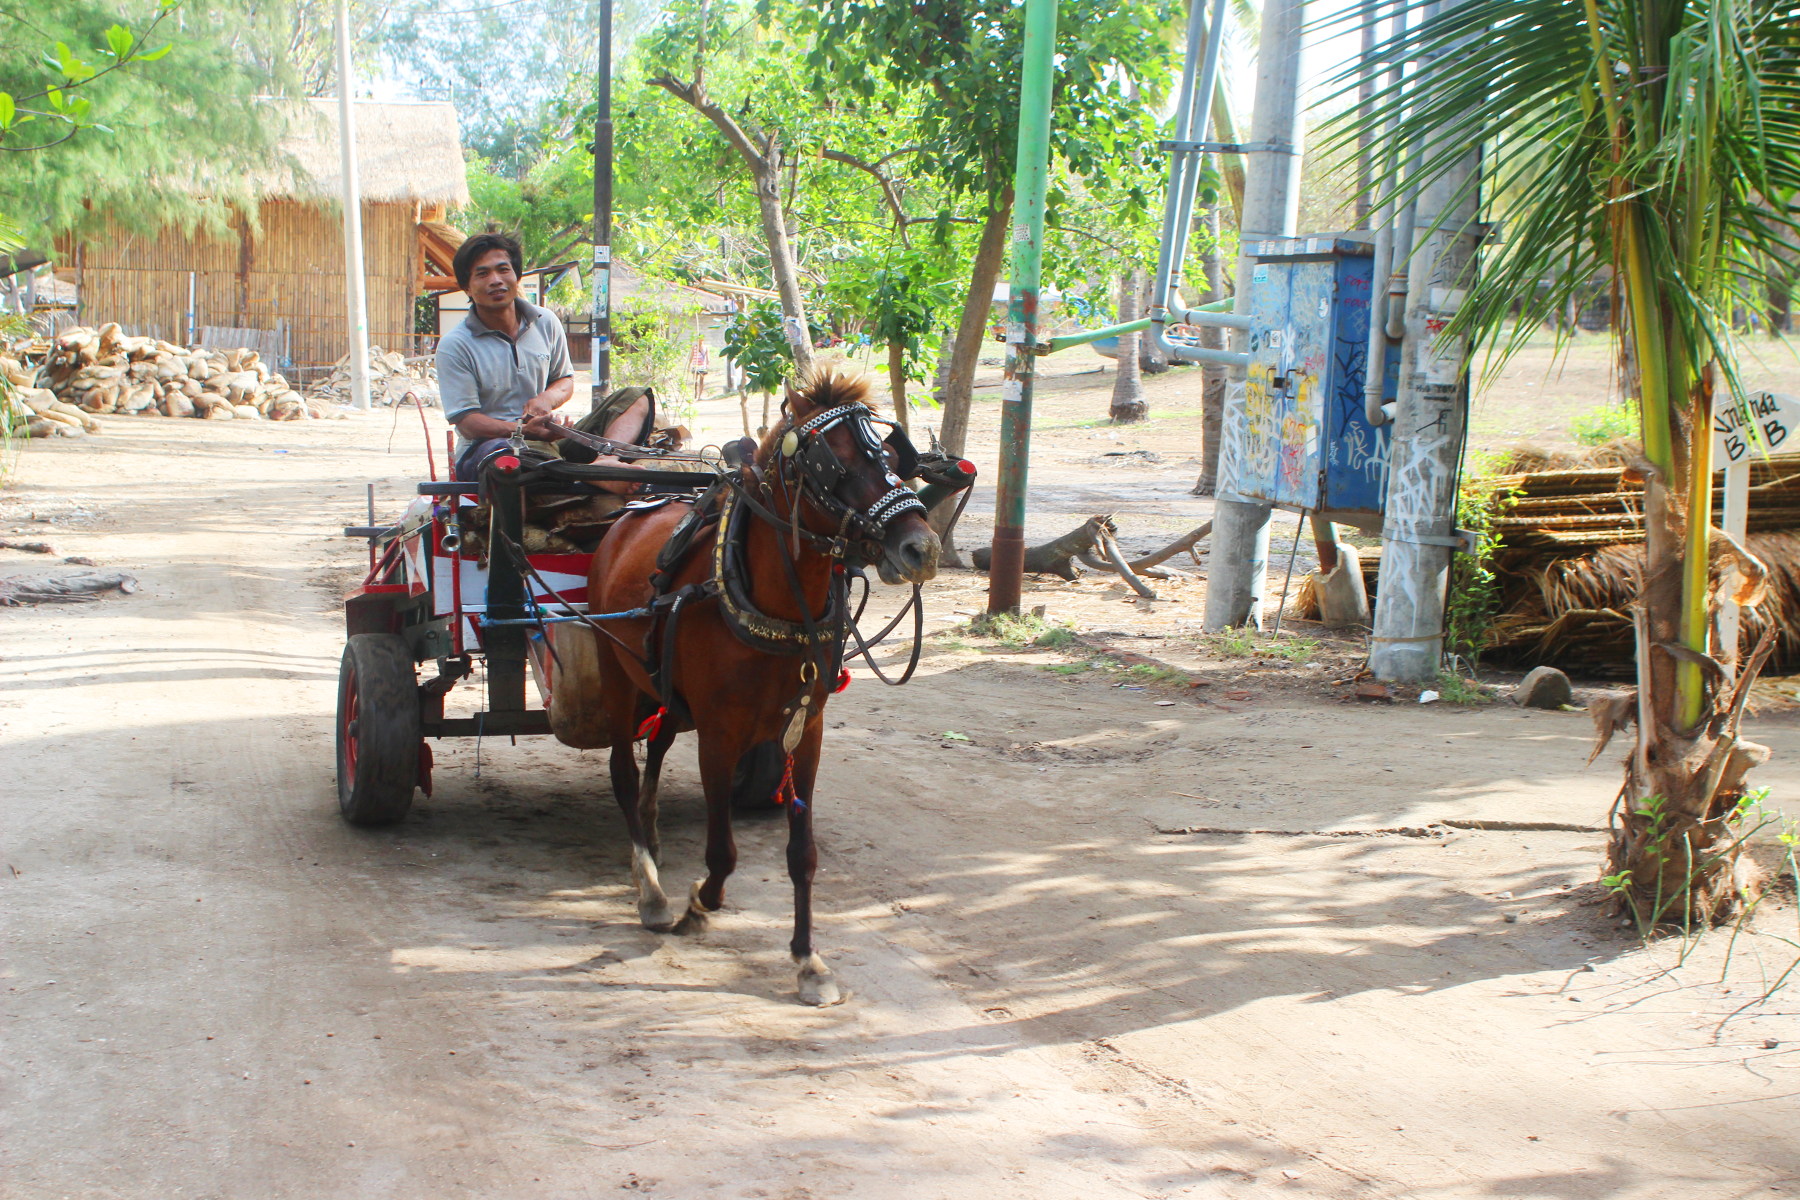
(1571, 550)
(105, 370)
(392, 377)
(31, 411)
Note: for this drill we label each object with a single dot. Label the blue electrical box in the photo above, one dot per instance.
(1303, 441)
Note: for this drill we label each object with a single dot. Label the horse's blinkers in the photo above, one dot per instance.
(906, 459)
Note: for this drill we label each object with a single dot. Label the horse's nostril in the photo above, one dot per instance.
(913, 553)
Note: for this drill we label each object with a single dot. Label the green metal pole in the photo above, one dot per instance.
(1006, 573)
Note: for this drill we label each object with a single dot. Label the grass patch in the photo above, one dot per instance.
(1016, 632)
(1454, 689)
(1244, 643)
(1152, 673)
(1068, 668)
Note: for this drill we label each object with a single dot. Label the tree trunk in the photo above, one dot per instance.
(1674, 855)
(897, 385)
(765, 162)
(1128, 382)
(958, 389)
(781, 258)
(1212, 378)
(971, 331)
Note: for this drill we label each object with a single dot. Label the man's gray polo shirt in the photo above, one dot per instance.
(482, 370)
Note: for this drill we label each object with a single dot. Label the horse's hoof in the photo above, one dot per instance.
(657, 917)
(818, 986)
(695, 919)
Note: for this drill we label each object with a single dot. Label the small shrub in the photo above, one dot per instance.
(1454, 689)
(1018, 632)
(1607, 423)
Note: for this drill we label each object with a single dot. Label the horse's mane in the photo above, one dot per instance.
(825, 387)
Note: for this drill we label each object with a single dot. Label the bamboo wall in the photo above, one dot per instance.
(289, 274)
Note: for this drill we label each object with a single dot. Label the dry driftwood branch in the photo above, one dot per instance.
(1186, 542)
(1117, 558)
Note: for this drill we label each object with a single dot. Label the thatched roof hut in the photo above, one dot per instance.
(277, 278)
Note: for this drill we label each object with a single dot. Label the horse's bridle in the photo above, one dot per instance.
(816, 464)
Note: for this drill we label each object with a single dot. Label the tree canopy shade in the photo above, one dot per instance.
(1660, 138)
(1113, 61)
(960, 62)
(146, 130)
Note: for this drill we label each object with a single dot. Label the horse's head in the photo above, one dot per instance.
(849, 467)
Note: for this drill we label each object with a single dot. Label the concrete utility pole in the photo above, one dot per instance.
(1240, 549)
(355, 283)
(600, 328)
(1430, 412)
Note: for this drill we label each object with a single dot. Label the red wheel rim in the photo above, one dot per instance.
(347, 730)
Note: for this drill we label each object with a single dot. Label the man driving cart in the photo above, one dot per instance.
(505, 370)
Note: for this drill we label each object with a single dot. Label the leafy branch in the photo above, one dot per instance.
(76, 112)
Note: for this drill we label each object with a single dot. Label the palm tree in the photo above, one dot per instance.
(1127, 403)
(1660, 138)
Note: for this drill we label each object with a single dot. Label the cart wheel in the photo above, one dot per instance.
(378, 730)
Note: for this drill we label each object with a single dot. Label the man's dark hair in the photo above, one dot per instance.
(467, 253)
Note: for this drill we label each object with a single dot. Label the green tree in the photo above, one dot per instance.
(1659, 138)
(175, 137)
(756, 346)
(961, 60)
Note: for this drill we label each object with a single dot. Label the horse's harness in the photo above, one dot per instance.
(805, 468)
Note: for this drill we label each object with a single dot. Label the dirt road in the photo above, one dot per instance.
(214, 988)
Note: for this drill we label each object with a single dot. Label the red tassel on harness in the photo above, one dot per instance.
(784, 791)
(652, 725)
(843, 681)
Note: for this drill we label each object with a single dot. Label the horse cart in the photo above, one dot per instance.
(452, 584)
(455, 583)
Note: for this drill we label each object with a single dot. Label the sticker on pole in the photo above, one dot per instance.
(1760, 423)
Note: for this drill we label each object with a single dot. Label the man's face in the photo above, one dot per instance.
(492, 281)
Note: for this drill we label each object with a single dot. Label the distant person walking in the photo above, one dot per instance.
(700, 363)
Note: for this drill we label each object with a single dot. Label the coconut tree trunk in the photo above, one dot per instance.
(1128, 381)
(1674, 854)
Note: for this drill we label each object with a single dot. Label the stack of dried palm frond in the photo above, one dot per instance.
(1571, 548)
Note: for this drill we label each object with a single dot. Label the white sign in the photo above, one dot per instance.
(1760, 423)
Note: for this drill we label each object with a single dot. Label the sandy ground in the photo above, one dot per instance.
(214, 988)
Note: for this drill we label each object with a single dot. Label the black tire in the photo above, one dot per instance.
(378, 730)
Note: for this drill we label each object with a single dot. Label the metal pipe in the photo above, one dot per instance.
(1408, 214)
(1006, 573)
(1200, 120)
(1221, 320)
(1397, 281)
(1193, 114)
(1178, 161)
(1382, 265)
(1092, 335)
(600, 319)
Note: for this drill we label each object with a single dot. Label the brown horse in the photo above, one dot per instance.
(750, 655)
